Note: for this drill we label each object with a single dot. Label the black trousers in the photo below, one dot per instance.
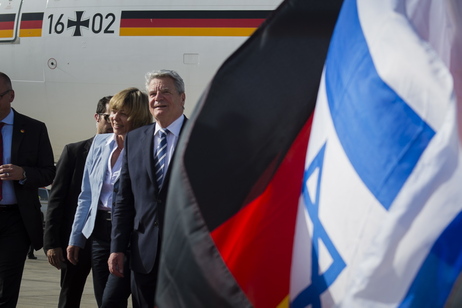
(14, 245)
(73, 279)
(110, 291)
(144, 286)
(143, 289)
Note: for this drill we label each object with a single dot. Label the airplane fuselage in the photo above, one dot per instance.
(64, 55)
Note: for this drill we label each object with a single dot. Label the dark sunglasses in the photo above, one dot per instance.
(105, 115)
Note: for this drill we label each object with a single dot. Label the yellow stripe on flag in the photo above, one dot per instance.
(30, 32)
(285, 303)
(6, 33)
(186, 31)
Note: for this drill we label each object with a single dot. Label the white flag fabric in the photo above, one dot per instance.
(379, 221)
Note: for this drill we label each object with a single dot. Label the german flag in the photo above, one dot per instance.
(7, 25)
(31, 25)
(191, 23)
(238, 169)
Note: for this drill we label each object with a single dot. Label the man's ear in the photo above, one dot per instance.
(12, 96)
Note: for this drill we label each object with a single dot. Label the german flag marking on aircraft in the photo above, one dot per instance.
(191, 23)
(7, 25)
(31, 25)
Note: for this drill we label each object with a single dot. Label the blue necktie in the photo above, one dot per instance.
(159, 158)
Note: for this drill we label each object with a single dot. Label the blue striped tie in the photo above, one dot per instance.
(159, 158)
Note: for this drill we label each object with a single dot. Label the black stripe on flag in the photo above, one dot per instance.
(194, 14)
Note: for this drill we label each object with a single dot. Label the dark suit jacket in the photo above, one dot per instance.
(64, 194)
(138, 212)
(31, 149)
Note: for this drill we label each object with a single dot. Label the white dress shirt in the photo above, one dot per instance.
(111, 176)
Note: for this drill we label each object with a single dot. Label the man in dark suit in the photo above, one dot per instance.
(139, 209)
(61, 210)
(27, 164)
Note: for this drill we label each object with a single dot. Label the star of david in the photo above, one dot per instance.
(320, 282)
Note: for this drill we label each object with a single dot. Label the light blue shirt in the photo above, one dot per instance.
(9, 196)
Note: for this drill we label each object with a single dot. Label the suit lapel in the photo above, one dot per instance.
(103, 161)
(19, 130)
(147, 150)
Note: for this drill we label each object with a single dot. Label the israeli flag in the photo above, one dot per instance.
(379, 221)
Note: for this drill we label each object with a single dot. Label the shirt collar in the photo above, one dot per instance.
(173, 128)
(111, 140)
(9, 118)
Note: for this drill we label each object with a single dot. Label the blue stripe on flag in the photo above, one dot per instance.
(381, 135)
(439, 271)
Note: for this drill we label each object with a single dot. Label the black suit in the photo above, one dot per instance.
(138, 213)
(60, 216)
(31, 150)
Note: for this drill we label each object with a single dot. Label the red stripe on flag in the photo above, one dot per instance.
(7, 25)
(194, 23)
(31, 24)
(257, 242)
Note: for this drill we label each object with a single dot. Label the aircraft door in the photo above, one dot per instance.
(9, 19)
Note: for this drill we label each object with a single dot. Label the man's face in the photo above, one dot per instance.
(165, 103)
(103, 123)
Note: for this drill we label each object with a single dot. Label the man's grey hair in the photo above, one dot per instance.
(179, 83)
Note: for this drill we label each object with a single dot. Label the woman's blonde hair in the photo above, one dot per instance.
(135, 104)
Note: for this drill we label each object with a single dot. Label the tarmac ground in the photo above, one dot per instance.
(40, 286)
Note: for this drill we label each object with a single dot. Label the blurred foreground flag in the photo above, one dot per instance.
(237, 176)
(379, 221)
